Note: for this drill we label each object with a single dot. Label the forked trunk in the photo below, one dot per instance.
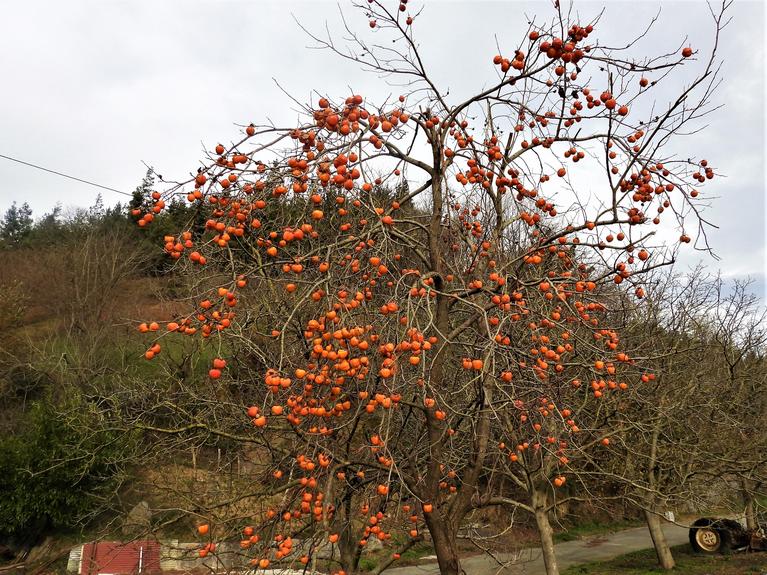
(662, 550)
(546, 534)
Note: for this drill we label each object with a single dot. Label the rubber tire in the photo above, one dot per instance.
(722, 535)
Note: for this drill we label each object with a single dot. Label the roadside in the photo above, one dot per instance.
(687, 563)
(530, 562)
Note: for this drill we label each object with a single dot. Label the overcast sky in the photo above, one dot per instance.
(95, 88)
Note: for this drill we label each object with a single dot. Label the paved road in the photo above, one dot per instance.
(530, 562)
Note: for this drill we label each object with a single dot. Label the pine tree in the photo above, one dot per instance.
(141, 193)
(16, 224)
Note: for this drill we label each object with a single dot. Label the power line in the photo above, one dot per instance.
(65, 175)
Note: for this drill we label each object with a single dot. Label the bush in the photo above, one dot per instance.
(59, 470)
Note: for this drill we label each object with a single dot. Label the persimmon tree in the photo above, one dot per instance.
(414, 294)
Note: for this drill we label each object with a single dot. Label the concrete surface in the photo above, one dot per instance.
(530, 562)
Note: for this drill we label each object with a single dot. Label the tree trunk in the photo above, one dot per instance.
(662, 550)
(751, 523)
(546, 533)
(444, 545)
(348, 545)
(747, 490)
(348, 556)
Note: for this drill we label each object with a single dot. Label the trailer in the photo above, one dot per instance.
(716, 535)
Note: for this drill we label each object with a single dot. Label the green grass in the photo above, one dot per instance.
(368, 564)
(417, 551)
(590, 528)
(687, 563)
(409, 557)
(123, 353)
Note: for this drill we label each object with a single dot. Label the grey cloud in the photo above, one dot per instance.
(94, 88)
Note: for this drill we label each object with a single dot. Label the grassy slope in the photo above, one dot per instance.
(687, 563)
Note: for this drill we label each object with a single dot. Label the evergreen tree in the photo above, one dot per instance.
(48, 229)
(140, 194)
(96, 212)
(16, 224)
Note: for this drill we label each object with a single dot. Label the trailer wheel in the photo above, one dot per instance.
(709, 538)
